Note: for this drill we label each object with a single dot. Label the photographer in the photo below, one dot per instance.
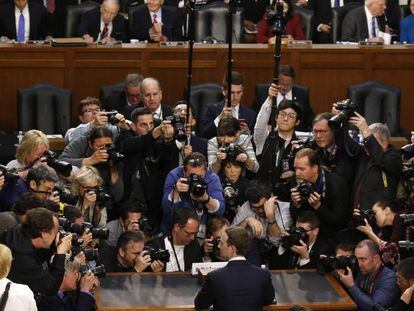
(31, 244)
(230, 144)
(74, 216)
(378, 169)
(215, 228)
(129, 255)
(192, 186)
(405, 280)
(302, 246)
(75, 293)
(319, 190)
(181, 243)
(391, 230)
(374, 284)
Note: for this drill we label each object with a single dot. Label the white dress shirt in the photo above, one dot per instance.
(369, 24)
(110, 27)
(157, 114)
(26, 21)
(172, 265)
(280, 97)
(159, 16)
(20, 297)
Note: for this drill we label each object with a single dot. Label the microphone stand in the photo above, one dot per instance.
(232, 10)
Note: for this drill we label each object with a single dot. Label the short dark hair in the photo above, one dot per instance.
(256, 190)
(140, 111)
(238, 237)
(406, 268)
(72, 213)
(182, 215)
(309, 217)
(285, 104)
(345, 246)
(99, 132)
(372, 246)
(194, 159)
(287, 70)
(86, 102)
(383, 204)
(216, 223)
(310, 154)
(127, 237)
(236, 79)
(41, 173)
(322, 116)
(38, 220)
(129, 209)
(228, 126)
(28, 201)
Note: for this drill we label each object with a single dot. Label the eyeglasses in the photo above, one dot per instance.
(90, 110)
(133, 95)
(321, 132)
(189, 233)
(289, 115)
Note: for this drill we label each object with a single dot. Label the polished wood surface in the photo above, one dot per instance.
(327, 69)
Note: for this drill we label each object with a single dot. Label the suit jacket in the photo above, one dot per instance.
(354, 25)
(238, 286)
(39, 25)
(91, 23)
(192, 252)
(211, 111)
(172, 24)
(83, 302)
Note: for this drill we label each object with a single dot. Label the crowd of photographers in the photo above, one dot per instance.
(148, 194)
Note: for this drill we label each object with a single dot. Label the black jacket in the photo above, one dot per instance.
(31, 266)
(71, 302)
(354, 25)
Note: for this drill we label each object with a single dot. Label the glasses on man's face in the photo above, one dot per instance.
(188, 233)
(91, 110)
(133, 95)
(320, 132)
(290, 115)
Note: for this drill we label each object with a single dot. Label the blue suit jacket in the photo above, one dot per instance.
(238, 286)
(407, 26)
(211, 111)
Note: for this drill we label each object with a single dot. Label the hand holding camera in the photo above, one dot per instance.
(360, 122)
(208, 245)
(346, 278)
(99, 156)
(226, 112)
(407, 296)
(63, 245)
(142, 261)
(182, 186)
(133, 226)
(157, 266)
(270, 209)
(88, 282)
(89, 198)
(273, 90)
(87, 238)
(54, 197)
(301, 250)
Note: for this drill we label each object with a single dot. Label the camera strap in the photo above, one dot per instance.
(175, 253)
(5, 297)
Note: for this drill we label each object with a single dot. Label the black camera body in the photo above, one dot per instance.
(331, 263)
(296, 234)
(67, 197)
(407, 218)
(348, 109)
(61, 167)
(79, 229)
(146, 226)
(407, 152)
(98, 271)
(359, 220)
(266, 247)
(162, 255)
(113, 154)
(196, 185)
(231, 197)
(216, 249)
(76, 241)
(305, 189)
(102, 198)
(10, 176)
(111, 117)
(232, 151)
(178, 123)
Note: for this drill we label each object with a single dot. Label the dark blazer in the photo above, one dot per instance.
(91, 23)
(354, 25)
(211, 111)
(83, 302)
(192, 252)
(238, 286)
(172, 24)
(39, 26)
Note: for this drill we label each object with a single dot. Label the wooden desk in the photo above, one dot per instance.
(327, 69)
(176, 291)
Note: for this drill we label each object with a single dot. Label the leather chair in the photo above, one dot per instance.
(404, 11)
(338, 15)
(44, 107)
(378, 103)
(201, 95)
(108, 90)
(211, 23)
(124, 5)
(73, 16)
(306, 17)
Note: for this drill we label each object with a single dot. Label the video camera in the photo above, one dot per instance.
(196, 185)
(231, 196)
(347, 108)
(305, 189)
(232, 151)
(162, 255)
(10, 176)
(331, 263)
(61, 167)
(178, 123)
(295, 235)
(359, 220)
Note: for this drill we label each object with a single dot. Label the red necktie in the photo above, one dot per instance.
(155, 18)
(104, 32)
(50, 6)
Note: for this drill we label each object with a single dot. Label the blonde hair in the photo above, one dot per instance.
(30, 142)
(86, 175)
(5, 260)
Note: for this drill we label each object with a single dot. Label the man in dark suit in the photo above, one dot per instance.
(365, 22)
(184, 249)
(103, 24)
(156, 23)
(128, 99)
(214, 112)
(23, 21)
(240, 285)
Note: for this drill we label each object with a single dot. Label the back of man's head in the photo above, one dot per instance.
(257, 190)
(228, 126)
(182, 215)
(41, 173)
(29, 201)
(309, 217)
(309, 154)
(239, 238)
(72, 213)
(127, 237)
(372, 247)
(38, 220)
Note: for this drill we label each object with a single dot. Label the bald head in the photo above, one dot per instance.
(109, 10)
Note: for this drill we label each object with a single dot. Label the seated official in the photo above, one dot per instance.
(407, 25)
(214, 112)
(391, 230)
(103, 24)
(405, 280)
(19, 296)
(374, 284)
(239, 285)
(129, 255)
(305, 252)
(323, 192)
(293, 26)
(75, 293)
(31, 246)
(230, 144)
(21, 20)
(128, 99)
(181, 243)
(155, 23)
(194, 187)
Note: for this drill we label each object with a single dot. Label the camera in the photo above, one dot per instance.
(158, 254)
(309, 142)
(100, 233)
(111, 117)
(216, 250)
(66, 197)
(407, 173)
(146, 226)
(266, 247)
(91, 254)
(79, 229)
(407, 152)
(76, 241)
(61, 167)
(232, 151)
(178, 123)
(9, 175)
(330, 263)
(347, 108)
(359, 220)
(231, 196)
(305, 189)
(196, 185)
(407, 218)
(102, 198)
(276, 18)
(408, 245)
(98, 271)
(295, 235)
(113, 154)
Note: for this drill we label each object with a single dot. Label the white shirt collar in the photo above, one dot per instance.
(237, 258)
(158, 15)
(158, 113)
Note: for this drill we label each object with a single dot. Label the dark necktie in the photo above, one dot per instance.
(20, 31)
(155, 19)
(105, 31)
(336, 4)
(373, 32)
